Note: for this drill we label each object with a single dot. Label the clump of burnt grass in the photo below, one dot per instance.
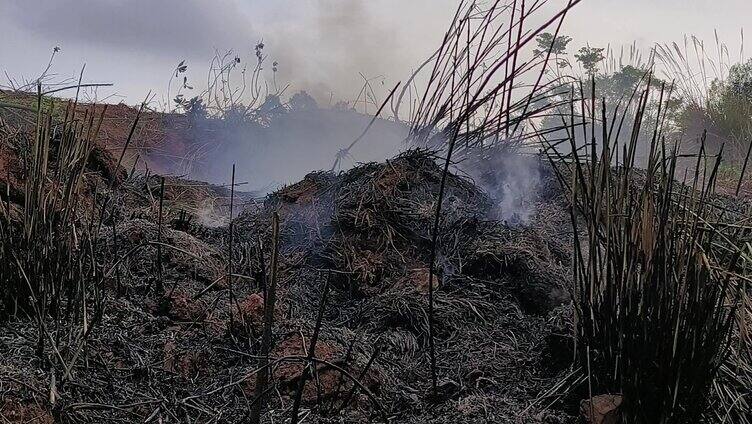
(48, 265)
(657, 275)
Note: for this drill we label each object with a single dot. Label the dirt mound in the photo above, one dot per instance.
(182, 258)
(374, 224)
(384, 214)
(371, 226)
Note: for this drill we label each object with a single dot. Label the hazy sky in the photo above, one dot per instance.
(321, 45)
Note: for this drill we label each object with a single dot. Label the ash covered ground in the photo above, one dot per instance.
(189, 352)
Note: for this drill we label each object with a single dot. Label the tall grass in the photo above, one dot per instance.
(473, 99)
(656, 270)
(707, 80)
(47, 254)
(732, 397)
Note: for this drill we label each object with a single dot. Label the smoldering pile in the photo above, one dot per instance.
(368, 230)
(191, 352)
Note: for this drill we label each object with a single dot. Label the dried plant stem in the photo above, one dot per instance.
(160, 274)
(340, 380)
(130, 135)
(363, 373)
(309, 366)
(342, 153)
(262, 378)
(656, 273)
(432, 260)
(229, 246)
(744, 169)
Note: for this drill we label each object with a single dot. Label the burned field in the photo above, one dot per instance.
(360, 241)
(174, 296)
(539, 252)
(175, 300)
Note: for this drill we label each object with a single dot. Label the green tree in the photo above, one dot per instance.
(546, 39)
(302, 101)
(739, 81)
(558, 46)
(728, 109)
(622, 83)
(590, 57)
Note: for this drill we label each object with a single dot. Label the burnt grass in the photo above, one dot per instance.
(190, 353)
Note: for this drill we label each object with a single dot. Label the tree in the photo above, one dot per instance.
(739, 81)
(622, 83)
(302, 101)
(728, 108)
(558, 47)
(590, 57)
(546, 39)
(343, 106)
(271, 104)
(195, 109)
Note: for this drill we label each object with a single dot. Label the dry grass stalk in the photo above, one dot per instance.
(464, 104)
(48, 265)
(270, 296)
(309, 368)
(656, 274)
(160, 270)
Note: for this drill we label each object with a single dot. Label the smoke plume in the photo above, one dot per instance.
(511, 180)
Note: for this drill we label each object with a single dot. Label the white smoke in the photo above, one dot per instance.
(511, 180)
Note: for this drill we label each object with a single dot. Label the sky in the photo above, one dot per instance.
(322, 46)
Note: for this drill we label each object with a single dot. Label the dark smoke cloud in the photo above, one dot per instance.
(321, 45)
(164, 27)
(342, 40)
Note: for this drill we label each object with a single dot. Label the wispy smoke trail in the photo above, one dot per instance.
(511, 180)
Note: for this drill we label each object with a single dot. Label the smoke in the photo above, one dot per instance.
(160, 28)
(511, 180)
(293, 144)
(341, 41)
(321, 46)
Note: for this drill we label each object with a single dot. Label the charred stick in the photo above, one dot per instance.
(229, 246)
(7, 196)
(262, 378)
(344, 151)
(130, 135)
(744, 169)
(362, 374)
(432, 261)
(311, 354)
(118, 287)
(160, 283)
(346, 360)
(262, 270)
